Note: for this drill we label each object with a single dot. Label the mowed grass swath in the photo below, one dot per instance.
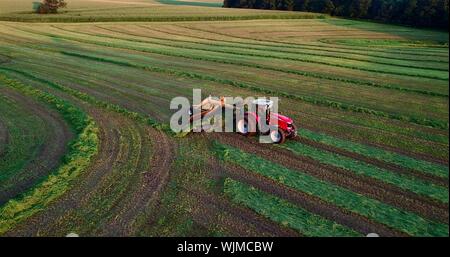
(86, 93)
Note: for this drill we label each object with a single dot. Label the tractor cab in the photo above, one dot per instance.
(263, 106)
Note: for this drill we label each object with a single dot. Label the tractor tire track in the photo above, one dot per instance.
(244, 221)
(49, 154)
(153, 182)
(367, 186)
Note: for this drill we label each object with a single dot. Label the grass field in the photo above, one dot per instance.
(92, 86)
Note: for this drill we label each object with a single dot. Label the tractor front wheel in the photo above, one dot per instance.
(294, 133)
(277, 136)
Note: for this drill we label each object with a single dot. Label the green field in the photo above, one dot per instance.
(86, 94)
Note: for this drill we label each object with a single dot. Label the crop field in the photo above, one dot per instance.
(85, 143)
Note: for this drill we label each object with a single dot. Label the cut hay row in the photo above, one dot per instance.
(323, 102)
(310, 203)
(258, 66)
(80, 153)
(277, 54)
(303, 73)
(437, 74)
(399, 219)
(88, 83)
(363, 185)
(89, 99)
(380, 154)
(375, 162)
(423, 47)
(316, 100)
(281, 48)
(299, 44)
(400, 180)
(283, 212)
(99, 202)
(428, 136)
(105, 84)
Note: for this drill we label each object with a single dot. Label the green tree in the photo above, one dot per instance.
(51, 6)
(290, 5)
(301, 5)
(359, 8)
(322, 6)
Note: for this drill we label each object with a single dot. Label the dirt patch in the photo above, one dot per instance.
(385, 165)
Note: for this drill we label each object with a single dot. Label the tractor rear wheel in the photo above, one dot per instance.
(244, 128)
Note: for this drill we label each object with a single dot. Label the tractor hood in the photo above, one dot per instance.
(281, 118)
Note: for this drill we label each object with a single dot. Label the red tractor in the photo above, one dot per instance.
(281, 127)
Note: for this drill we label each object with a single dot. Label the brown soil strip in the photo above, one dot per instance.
(4, 137)
(241, 219)
(364, 185)
(210, 213)
(311, 203)
(419, 156)
(384, 165)
(50, 153)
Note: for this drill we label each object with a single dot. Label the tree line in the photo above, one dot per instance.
(427, 13)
